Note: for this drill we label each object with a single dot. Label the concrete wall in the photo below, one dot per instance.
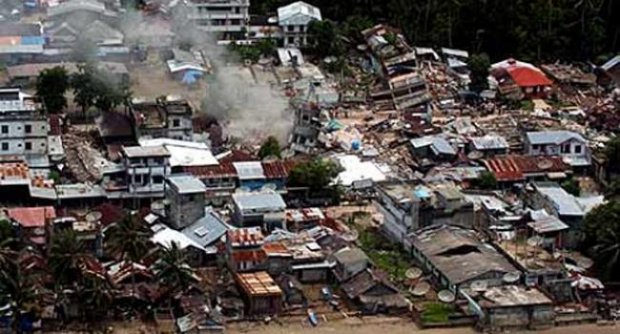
(520, 317)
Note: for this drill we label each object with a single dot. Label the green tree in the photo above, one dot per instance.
(316, 174)
(354, 25)
(479, 65)
(486, 180)
(84, 86)
(93, 87)
(602, 239)
(325, 40)
(572, 186)
(18, 288)
(128, 240)
(612, 157)
(51, 87)
(172, 269)
(66, 258)
(270, 148)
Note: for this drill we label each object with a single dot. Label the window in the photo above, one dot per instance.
(176, 123)
(158, 179)
(5, 146)
(578, 149)
(291, 40)
(536, 147)
(5, 129)
(290, 28)
(28, 128)
(566, 148)
(28, 146)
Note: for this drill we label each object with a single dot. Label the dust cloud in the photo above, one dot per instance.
(246, 109)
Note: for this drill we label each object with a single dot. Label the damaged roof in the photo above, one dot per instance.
(458, 253)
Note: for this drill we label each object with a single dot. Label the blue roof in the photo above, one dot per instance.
(254, 201)
(32, 40)
(206, 230)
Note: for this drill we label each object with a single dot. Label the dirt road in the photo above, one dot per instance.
(395, 326)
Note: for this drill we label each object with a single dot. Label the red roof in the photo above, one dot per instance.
(54, 121)
(249, 255)
(528, 77)
(110, 214)
(245, 236)
(32, 217)
(516, 167)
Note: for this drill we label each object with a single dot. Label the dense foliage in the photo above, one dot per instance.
(316, 174)
(528, 29)
(51, 87)
(602, 238)
(270, 148)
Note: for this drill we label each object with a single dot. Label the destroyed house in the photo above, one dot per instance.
(569, 75)
(373, 291)
(516, 79)
(455, 257)
(141, 173)
(164, 118)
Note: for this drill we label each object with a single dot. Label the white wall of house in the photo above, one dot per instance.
(23, 137)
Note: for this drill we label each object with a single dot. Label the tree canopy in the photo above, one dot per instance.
(527, 29)
(316, 174)
(51, 87)
(602, 238)
(93, 87)
(270, 148)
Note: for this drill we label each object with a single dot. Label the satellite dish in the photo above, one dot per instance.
(475, 155)
(512, 277)
(446, 296)
(544, 164)
(413, 273)
(420, 289)
(93, 216)
(479, 286)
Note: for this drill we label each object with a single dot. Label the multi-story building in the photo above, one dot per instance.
(260, 209)
(227, 17)
(294, 20)
(164, 118)
(186, 195)
(141, 173)
(23, 125)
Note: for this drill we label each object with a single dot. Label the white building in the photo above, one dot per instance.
(571, 146)
(229, 17)
(294, 20)
(23, 125)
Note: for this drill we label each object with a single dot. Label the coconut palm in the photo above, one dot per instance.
(18, 287)
(128, 240)
(172, 269)
(66, 258)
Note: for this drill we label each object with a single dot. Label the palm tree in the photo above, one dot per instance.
(18, 286)
(96, 297)
(172, 269)
(129, 241)
(607, 249)
(66, 257)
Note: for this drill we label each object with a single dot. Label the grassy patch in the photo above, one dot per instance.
(436, 312)
(387, 256)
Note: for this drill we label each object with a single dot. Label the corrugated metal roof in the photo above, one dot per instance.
(257, 201)
(258, 284)
(517, 167)
(553, 137)
(32, 217)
